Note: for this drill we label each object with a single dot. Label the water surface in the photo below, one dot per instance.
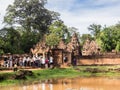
(91, 83)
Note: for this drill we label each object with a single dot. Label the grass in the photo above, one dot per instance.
(55, 73)
(6, 78)
(78, 71)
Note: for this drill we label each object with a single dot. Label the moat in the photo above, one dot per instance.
(80, 83)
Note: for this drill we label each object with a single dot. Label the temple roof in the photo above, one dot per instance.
(73, 45)
(90, 47)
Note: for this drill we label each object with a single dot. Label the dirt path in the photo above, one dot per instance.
(4, 71)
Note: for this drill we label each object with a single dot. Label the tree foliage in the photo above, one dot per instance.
(30, 14)
(58, 28)
(52, 39)
(11, 40)
(30, 21)
(57, 31)
(1, 46)
(95, 30)
(109, 38)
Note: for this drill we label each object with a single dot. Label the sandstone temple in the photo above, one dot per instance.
(71, 50)
(90, 48)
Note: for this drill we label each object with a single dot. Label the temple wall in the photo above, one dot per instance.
(99, 61)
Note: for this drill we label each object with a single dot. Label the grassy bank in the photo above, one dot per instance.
(36, 75)
(23, 77)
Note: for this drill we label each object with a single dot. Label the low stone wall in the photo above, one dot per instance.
(99, 61)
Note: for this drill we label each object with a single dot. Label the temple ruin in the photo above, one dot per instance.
(71, 50)
(90, 48)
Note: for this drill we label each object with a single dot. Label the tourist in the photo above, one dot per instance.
(15, 67)
(31, 61)
(28, 61)
(65, 58)
(24, 61)
(74, 61)
(7, 64)
(39, 58)
(37, 62)
(51, 61)
(43, 62)
(34, 59)
(5, 61)
(20, 62)
(46, 63)
(10, 61)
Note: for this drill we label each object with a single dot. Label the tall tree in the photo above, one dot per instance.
(30, 14)
(11, 40)
(110, 38)
(106, 39)
(58, 28)
(116, 36)
(33, 18)
(1, 45)
(52, 39)
(57, 31)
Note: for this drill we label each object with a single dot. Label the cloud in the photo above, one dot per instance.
(80, 13)
(3, 6)
(60, 4)
(104, 2)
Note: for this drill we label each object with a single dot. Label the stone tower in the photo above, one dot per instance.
(90, 48)
(74, 45)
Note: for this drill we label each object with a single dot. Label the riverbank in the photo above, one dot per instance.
(30, 76)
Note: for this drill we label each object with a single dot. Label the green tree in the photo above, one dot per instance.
(2, 42)
(11, 40)
(106, 39)
(31, 20)
(28, 40)
(58, 28)
(110, 38)
(116, 36)
(52, 39)
(30, 14)
(1, 46)
(57, 31)
(95, 30)
(117, 48)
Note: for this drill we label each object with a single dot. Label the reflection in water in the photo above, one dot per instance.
(71, 84)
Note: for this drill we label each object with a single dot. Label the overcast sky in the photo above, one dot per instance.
(79, 13)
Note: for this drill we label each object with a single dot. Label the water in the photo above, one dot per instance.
(90, 83)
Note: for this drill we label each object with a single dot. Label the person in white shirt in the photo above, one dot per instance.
(24, 60)
(43, 62)
(51, 61)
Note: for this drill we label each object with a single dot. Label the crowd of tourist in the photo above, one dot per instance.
(28, 61)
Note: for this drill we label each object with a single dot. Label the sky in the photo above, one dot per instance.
(79, 13)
